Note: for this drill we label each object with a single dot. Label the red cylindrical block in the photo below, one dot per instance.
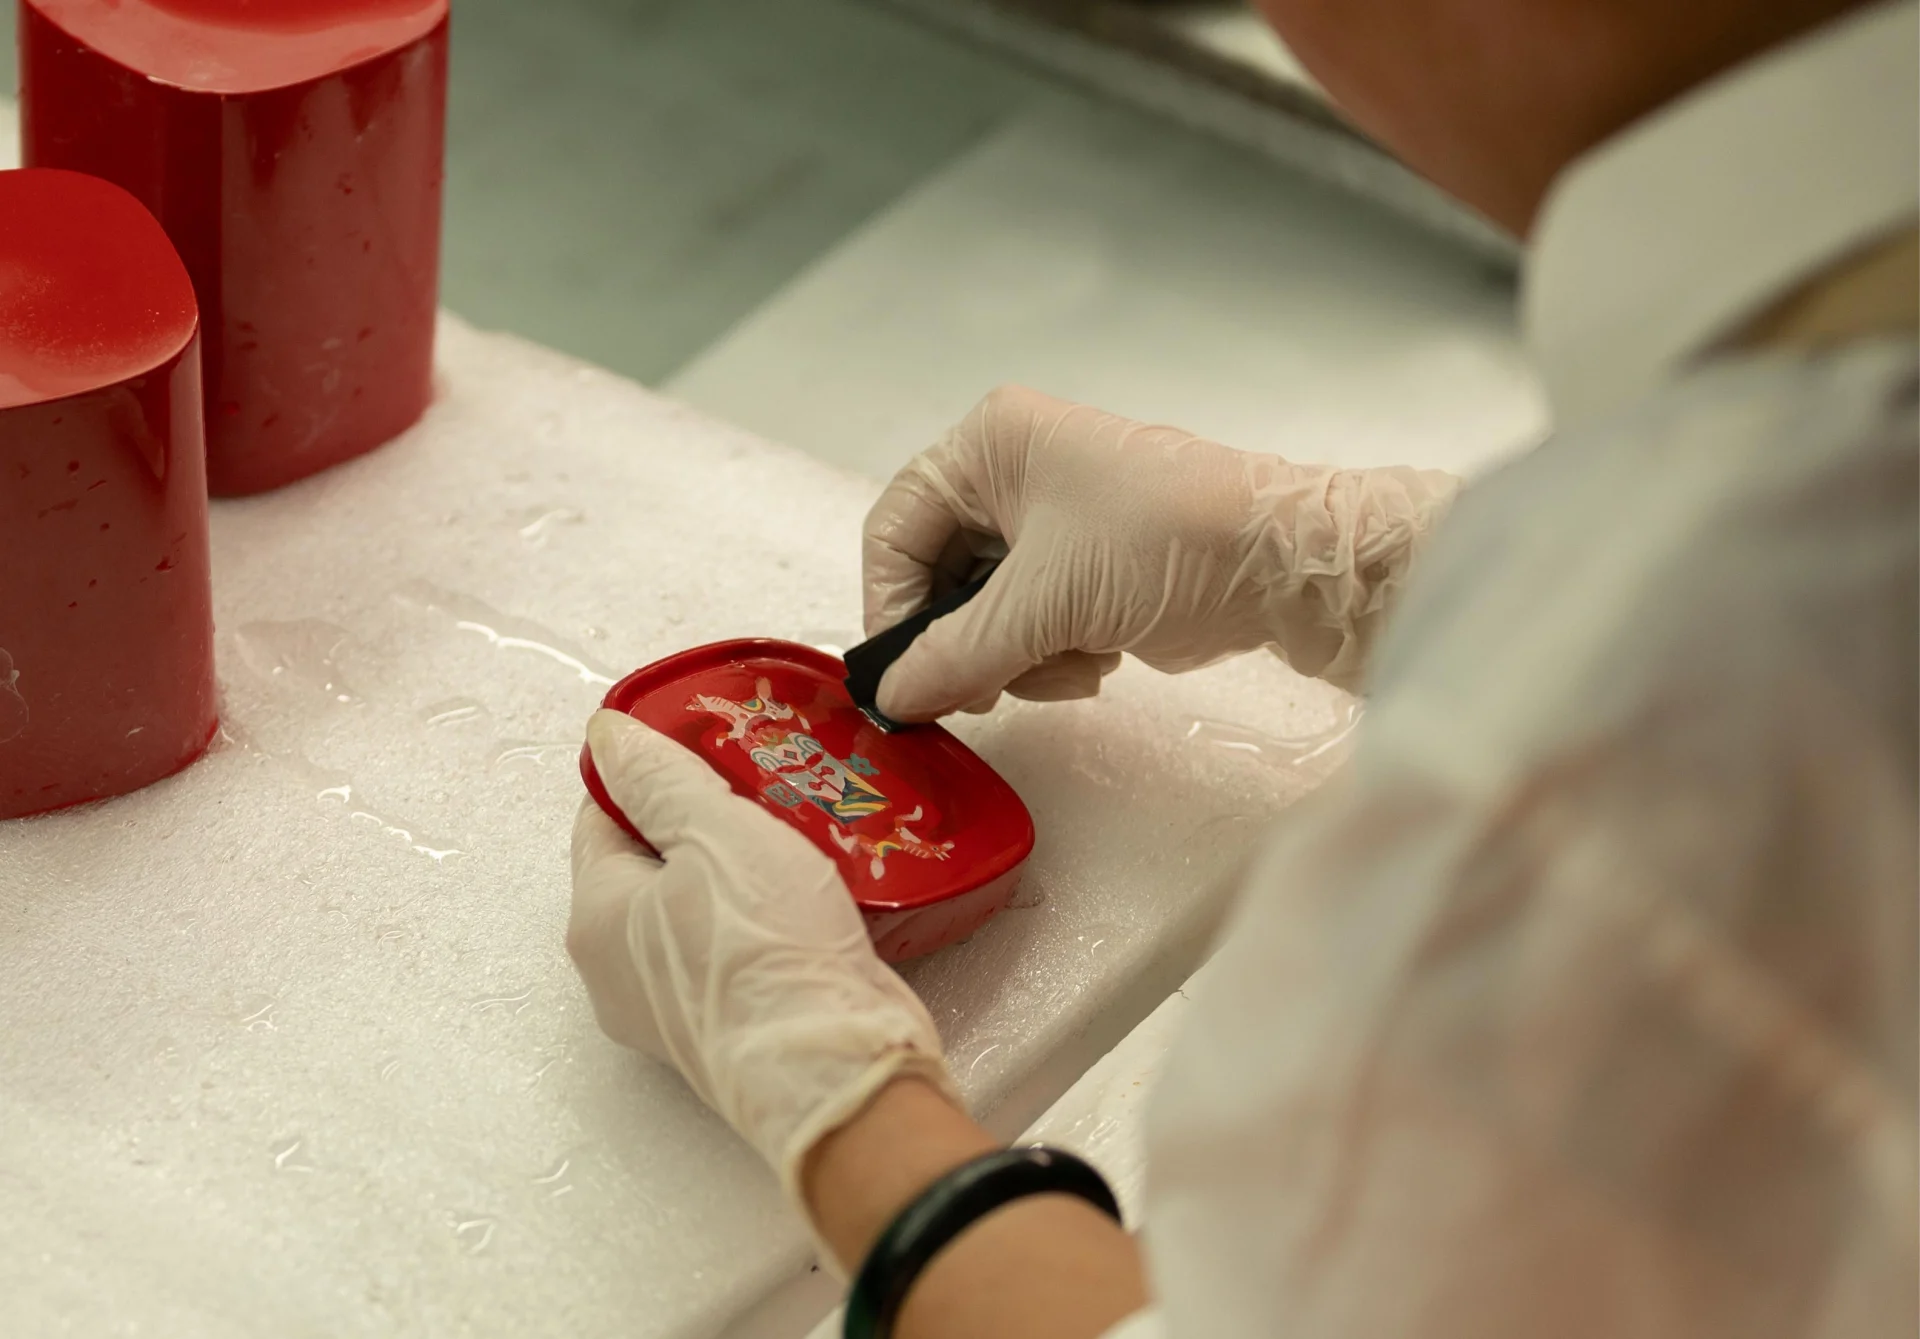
(292, 150)
(106, 606)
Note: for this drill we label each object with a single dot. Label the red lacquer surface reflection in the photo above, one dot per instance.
(106, 624)
(292, 150)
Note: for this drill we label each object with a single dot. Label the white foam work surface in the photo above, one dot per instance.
(289, 1044)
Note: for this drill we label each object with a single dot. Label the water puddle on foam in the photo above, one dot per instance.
(336, 788)
(503, 631)
(302, 655)
(1286, 750)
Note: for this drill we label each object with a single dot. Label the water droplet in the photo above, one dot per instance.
(333, 788)
(981, 1058)
(503, 631)
(1027, 896)
(454, 711)
(1286, 750)
(537, 752)
(1092, 763)
(1098, 937)
(232, 737)
(535, 526)
(513, 1005)
(289, 1157)
(555, 1179)
(302, 655)
(550, 1057)
(13, 706)
(475, 1230)
(1233, 738)
(256, 1013)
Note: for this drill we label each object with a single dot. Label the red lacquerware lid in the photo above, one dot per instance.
(911, 818)
(91, 291)
(242, 46)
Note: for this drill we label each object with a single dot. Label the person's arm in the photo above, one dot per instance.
(1049, 1266)
(741, 959)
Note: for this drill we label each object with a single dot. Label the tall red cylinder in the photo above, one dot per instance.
(292, 149)
(106, 607)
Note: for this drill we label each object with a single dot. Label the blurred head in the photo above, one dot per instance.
(1491, 98)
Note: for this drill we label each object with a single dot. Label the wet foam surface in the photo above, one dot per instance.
(289, 1044)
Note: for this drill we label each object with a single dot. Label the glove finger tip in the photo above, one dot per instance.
(610, 736)
(902, 699)
(662, 786)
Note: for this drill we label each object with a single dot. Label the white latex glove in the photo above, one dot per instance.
(1125, 537)
(739, 956)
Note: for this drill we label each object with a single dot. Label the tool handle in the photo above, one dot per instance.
(867, 662)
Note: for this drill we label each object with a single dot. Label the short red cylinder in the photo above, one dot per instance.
(292, 149)
(106, 606)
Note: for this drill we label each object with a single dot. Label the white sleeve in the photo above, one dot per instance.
(1619, 1049)
(1586, 1006)
(1140, 1325)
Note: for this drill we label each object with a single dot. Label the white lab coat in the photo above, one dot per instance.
(1584, 1004)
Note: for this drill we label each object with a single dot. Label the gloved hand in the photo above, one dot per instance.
(739, 956)
(1125, 537)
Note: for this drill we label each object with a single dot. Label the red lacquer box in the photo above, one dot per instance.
(929, 839)
(292, 151)
(106, 608)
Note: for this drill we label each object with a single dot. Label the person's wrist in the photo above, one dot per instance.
(860, 1175)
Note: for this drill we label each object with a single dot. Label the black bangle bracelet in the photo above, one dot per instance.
(949, 1207)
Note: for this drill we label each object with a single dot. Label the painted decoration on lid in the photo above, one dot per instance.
(799, 770)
